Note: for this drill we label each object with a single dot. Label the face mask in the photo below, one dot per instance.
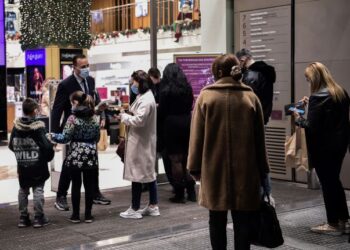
(135, 89)
(84, 73)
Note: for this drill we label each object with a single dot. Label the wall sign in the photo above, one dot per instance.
(197, 68)
(35, 57)
(267, 34)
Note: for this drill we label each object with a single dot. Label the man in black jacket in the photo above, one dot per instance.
(79, 80)
(33, 151)
(260, 77)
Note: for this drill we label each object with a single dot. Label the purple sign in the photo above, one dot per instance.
(35, 57)
(2, 33)
(197, 69)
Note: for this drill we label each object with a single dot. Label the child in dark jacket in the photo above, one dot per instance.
(82, 131)
(33, 151)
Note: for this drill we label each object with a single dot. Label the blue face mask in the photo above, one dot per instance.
(135, 89)
(84, 73)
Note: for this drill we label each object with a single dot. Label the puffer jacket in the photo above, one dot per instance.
(82, 131)
(32, 150)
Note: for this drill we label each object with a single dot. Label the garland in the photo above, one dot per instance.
(116, 34)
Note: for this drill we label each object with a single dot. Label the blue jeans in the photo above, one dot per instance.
(136, 190)
(38, 194)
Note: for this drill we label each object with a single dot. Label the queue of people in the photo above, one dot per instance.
(219, 143)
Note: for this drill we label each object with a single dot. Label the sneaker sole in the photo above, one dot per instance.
(74, 221)
(23, 226)
(327, 232)
(130, 217)
(40, 226)
(89, 221)
(102, 202)
(60, 208)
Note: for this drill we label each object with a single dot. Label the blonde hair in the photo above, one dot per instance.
(320, 77)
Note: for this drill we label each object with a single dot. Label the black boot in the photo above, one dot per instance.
(179, 196)
(191, 191)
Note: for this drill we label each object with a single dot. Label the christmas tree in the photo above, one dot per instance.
(55, 22)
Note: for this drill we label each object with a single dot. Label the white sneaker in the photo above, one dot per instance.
(151, 211)
(130, 214)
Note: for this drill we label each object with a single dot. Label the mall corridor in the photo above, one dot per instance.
(179, 226)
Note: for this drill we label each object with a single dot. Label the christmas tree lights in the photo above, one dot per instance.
(55, 22)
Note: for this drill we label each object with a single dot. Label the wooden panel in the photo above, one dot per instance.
(11, 115)
(109, 16)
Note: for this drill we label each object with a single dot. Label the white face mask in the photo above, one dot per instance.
(84, 73)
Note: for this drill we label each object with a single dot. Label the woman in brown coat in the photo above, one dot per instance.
(227, 152)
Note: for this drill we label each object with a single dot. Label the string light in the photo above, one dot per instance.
(55, 22)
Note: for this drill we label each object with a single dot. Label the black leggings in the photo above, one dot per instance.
(89, 178)
(328, 167)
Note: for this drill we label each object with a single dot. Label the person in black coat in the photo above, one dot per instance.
(327, 138)
(33, 151)
(78, 81)
(174, 111)
(260, 77)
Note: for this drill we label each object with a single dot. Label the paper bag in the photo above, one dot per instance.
(296, 150)
(103, 142)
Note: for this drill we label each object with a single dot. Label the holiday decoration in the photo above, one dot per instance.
(55, 22)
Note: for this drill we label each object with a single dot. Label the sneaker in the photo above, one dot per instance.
(61, 203)
(131, 214)
(24, 221)
(344, 226)
(40, 221)
(89, 219)
(151, 211)
(326, 229)
(101, 200)
(74, 219)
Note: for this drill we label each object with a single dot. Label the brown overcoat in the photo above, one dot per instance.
(227, 146)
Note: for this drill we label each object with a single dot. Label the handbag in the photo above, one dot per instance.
(121, 149)
(269, 232)
(103, 142)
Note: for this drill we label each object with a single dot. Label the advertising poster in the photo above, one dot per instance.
(197, 68)
(35, 80)
(141, 8)
(2, 34)
(66, 70)
(35, 67)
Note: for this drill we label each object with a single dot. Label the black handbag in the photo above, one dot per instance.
(269, 233)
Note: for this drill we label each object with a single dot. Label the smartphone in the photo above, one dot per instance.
(300, 111)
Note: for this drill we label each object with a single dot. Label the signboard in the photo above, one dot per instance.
(197, 68)
(267, 34)
(35, 57)
(67, 55)
(2, 34)
(141, 8)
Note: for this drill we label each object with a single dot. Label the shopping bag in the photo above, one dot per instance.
(103, 142)
(296, 150)
(121, 148)
(269, 232)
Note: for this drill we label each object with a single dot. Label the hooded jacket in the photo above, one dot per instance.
(261, 77)
(32, 150)
(82, 131)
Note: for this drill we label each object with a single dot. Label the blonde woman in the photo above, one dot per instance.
(327, 136)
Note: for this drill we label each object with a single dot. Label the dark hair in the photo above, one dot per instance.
(243, 52)
(143, 80)
(226, 65)
(154, 72)
(173, 74)
(29, 105)
(83, 100)
(75, 58)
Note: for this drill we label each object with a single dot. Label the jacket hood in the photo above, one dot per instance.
(82, 112)
(26, 124)
(266, 70)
